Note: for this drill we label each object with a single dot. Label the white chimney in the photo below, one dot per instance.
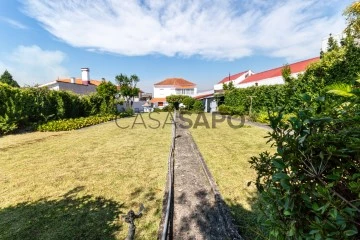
(85, 76)
(72, 80)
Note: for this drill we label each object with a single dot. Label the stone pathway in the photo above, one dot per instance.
(198, 211)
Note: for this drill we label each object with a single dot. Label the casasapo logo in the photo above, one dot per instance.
(184, 120)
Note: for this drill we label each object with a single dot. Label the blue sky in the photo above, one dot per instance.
(201, 41)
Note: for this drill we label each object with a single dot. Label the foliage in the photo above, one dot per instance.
(198, 106)
(7, 78)
(230, 110)
(175, 100)
(128, 89)
(314, 171)
(106, 89)
(23, 107)
(229, 86)
(73, 123)
(352, 14)
(168, 108)
(188, 102)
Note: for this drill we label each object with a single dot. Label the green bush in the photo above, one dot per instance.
(22, 107)
(157, 110)
(198, 106)
(229, 110)
(309, 188)
(72, 124)
(168, 108)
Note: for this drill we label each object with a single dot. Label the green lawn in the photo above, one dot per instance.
(77, 184)
(226, 152)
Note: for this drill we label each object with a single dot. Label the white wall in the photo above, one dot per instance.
(164, 91)
(267, 81)
(236, 81)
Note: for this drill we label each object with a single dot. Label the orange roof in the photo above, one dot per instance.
(178, 82)
(276, 72)
(232, 77)
(155, 100)
(79, 81)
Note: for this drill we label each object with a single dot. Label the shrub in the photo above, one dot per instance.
(157, 110)
(188, 102)
(168, 108)
(72, 124)
(229, 110)
(309, 188)
(198, 106)
(22, 107)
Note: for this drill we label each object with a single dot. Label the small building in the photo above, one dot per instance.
(172, 86)
(235, 79)
(274, 76)
(248, 79)
(83, 85)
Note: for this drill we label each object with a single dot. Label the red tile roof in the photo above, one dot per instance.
(232, 77)
(178, 82)
(155, 100)
(276, 72)
(79, 81)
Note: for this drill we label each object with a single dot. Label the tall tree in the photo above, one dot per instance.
(128, 89)
(352, 14)
(7, 78)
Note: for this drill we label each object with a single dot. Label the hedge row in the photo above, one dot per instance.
(72, 124)
(22, 107)
(336, 66)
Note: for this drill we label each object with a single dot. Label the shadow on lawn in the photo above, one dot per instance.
(70, 217)
(246, 220)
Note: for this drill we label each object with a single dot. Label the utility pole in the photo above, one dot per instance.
(251, 100)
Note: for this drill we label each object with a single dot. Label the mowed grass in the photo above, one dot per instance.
(77, 184)
(227, 152)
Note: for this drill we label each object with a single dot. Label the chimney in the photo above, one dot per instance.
(85, 76)
(72, 80)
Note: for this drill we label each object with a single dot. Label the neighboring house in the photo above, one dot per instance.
(248, 78)
(83, 85)
(274, 76)
(172, 86)
(235, 79)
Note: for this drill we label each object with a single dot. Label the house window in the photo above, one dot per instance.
(160, 104)
(185, 91)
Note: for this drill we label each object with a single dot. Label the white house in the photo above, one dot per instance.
(235, 79)
(274, 76)
(172, 86)
(83, 85)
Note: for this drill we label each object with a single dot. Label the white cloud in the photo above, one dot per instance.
(31, 65)
(14, 23)
(214, 29)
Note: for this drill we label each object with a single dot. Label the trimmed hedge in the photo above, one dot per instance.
(23, 107)
(72, 124)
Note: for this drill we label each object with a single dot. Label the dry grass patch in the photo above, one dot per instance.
(227, 152)
(76, 184)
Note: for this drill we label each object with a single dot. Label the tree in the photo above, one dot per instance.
(175, 100)
(229, 86)
(188, 102)
(332, 44)
(106, 89)
(352, 14)
(8, 79)
(128, 89)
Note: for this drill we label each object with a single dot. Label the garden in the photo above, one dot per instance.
(78, 184)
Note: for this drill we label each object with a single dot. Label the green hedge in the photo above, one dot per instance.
(72, 124)
(22, 107)
(335, 66)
